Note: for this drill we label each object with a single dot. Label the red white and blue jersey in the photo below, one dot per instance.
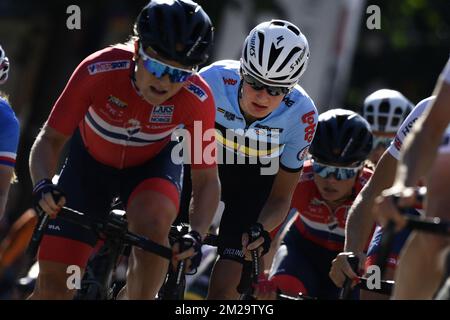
(9, 134)
(119, 128)
(315, 220)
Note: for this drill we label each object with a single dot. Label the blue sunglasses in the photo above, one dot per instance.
(341, 173)
(160, 69)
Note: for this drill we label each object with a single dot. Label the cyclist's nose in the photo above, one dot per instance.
(262, 95)
(165, 80)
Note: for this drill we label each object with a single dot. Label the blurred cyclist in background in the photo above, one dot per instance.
(328, 186)
(9, 136)
(385, 110)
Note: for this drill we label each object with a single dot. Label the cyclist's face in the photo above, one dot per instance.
(258, 103)
(156, 90)
(332, 189)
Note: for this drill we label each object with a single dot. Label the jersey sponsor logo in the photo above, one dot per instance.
(54, 227)
(268, 131)
(288, 102)
(133, 126)
(303, 153)
(228, 115)
(397, 143)
(108, 66)
(197, 91)
(162, 114)
(233, 252)
(117, 102)
(308, 118)
(229, 81)
(406, 129)
(252, 45)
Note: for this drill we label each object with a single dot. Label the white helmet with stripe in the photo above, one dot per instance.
(276, 53)
(4, 66)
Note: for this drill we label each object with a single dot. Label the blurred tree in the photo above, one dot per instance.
(406, 54)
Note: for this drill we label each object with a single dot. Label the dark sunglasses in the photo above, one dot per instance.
(341, 173)
(257, 85)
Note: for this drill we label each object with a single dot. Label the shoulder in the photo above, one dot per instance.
(6, 112)
(223, 71)
(298, 102)
(196, 87)
(107, 60)
(8, 119)
(406, 127)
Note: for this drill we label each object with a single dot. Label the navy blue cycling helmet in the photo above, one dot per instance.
(178, 30)
(343, 138)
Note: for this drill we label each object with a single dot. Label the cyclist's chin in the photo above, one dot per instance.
(156, 98)
(330, 194)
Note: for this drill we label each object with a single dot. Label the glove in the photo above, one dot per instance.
(45, 186)
(256, 231)
(192, 239)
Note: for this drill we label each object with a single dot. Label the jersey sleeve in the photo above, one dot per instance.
(406, 127)
(74, 101)
(213, 77)
(201, 128)
(9, 135)
(299, 137)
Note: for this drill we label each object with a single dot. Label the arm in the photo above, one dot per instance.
(360, 220)
(44, 157)
(426, 136)
(206, 196)
(45, 152)
(279, 201)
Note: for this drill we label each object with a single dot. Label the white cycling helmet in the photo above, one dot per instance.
(385, 110)
(4, 66)
(276, 53)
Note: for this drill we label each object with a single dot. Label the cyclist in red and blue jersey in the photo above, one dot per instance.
(9, 137)
(325, 192)
(120, 108)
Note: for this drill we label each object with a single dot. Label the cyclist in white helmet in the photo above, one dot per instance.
(4, 66)
(9, 136)
(259, 104)
(385, 110)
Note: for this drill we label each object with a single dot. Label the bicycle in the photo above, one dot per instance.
(97, 281)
